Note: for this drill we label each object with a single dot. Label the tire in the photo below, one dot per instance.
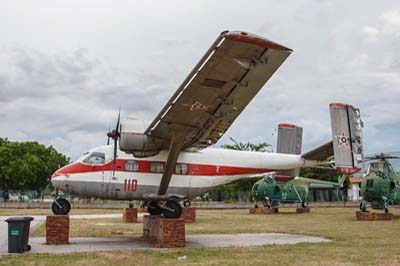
(154, 209)
(304, 204)
(61, 206)
(256, 206)
(187, 203)
(175, 211)
(386, 210)
(28, 247)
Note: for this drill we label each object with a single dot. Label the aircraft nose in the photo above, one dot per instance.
(59, 176)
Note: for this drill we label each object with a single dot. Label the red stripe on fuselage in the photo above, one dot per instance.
(144, 167)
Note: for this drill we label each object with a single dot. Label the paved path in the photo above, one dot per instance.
(91, 244)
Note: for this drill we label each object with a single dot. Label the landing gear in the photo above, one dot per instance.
(271, 204)
(172, 210)
(363, 206)
(304, 204)
(386, 206)
(187, 203)
(61, 206)
(154, 208)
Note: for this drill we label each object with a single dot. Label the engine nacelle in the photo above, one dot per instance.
(132, 139)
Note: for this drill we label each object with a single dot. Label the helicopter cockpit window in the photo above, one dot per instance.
(381, 167)
(95, 158)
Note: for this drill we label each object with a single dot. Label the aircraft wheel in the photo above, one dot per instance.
(172, 210)
(61, 206)
(363, 206)
(386, 210)
(256, 206)
(304, 204)
(187, 203)
(154, 209)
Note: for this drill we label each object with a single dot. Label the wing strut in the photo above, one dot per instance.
(173, 153)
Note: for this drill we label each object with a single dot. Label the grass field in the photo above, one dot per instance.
(355, 242)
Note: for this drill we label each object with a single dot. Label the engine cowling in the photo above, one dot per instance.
(134, 141)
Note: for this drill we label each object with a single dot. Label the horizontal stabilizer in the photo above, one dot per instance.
(321, 153)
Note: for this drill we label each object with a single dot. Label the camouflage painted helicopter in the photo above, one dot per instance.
(381, 184)
(273, 191)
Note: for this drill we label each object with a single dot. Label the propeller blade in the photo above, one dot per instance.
(108, 138)
(118, 120)
(116, 134)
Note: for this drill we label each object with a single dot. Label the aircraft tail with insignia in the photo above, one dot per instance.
(346, 144)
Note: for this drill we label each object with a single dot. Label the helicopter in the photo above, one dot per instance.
(381, 184)
(273, 190)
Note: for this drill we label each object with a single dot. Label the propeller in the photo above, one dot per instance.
(108, 138)
(115, 134)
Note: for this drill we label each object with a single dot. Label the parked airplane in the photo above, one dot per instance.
(171, 160)
(381, 185)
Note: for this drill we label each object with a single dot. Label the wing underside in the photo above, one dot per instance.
(217, 90)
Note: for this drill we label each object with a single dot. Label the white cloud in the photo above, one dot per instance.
(66, 67)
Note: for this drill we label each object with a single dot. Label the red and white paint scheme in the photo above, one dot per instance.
(195, 173)
(171, 160)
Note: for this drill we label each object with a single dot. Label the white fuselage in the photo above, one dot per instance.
(196, 173)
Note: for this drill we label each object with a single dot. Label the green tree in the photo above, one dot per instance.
(261, 147)
(27, 165)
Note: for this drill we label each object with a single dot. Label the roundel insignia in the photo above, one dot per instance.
(343, 140)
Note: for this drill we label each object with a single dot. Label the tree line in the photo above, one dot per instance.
(27, 165)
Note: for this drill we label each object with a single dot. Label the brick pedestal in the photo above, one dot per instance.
(141, 210)
(130, 215)
(164, 233)
(373, 216)
(263, 210)
(57, 229)
(302, 210)
(189, 215)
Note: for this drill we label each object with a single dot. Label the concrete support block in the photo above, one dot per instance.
(189, 215)
(302, 210)
(164, 233)
(263, 210)
(373, 216)
(130, 215)
(57, 229)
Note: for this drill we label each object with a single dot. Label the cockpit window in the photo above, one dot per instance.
(380, 166)
(95, 158)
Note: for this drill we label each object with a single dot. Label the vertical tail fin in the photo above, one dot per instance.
(289, 139)
(289, 142)
(346, 135)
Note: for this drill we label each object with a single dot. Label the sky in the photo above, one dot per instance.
(67, 66)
